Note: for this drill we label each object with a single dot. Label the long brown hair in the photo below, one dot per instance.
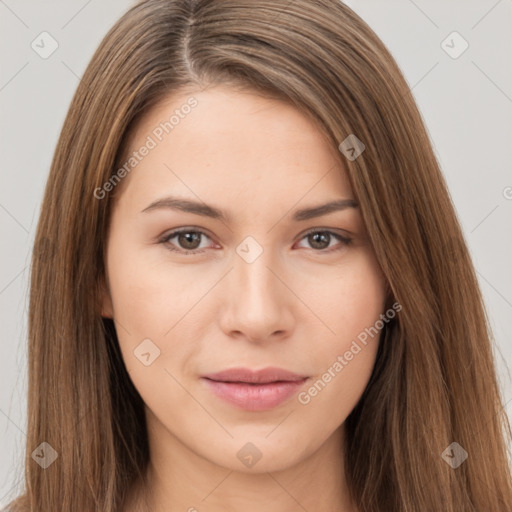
(434, 381)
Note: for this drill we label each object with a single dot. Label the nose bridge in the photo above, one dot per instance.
(257, 301)
(252, 269)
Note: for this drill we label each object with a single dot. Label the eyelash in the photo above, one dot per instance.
(345, 241)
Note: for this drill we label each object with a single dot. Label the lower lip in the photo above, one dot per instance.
(255, 397)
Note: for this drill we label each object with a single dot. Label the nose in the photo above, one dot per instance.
(257, 305)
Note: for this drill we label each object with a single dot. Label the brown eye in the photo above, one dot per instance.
(187, 241)
(320, 240)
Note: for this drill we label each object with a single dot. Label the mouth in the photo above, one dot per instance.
(251, 390)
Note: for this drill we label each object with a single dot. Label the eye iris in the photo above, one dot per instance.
(188, 237)
(316, 236)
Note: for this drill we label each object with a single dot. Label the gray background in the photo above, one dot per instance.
(466, 103)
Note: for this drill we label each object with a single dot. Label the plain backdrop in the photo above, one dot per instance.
(465, 100)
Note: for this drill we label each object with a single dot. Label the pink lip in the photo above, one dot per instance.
(254, 390)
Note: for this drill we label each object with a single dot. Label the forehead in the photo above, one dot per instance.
(234, 143)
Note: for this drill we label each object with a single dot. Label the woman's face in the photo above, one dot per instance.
(256, 289)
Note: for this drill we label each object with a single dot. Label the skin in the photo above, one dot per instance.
(298, 306)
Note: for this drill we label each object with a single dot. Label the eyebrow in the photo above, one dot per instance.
(199, 208)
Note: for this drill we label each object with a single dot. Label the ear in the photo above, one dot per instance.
(105, 301)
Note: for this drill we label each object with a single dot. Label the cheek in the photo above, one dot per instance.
(147, 297)
(344, 356)
(354, 302)
(152, 301)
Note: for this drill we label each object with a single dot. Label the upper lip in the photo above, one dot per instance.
(262, 376)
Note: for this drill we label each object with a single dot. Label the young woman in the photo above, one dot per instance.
(249, 288)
